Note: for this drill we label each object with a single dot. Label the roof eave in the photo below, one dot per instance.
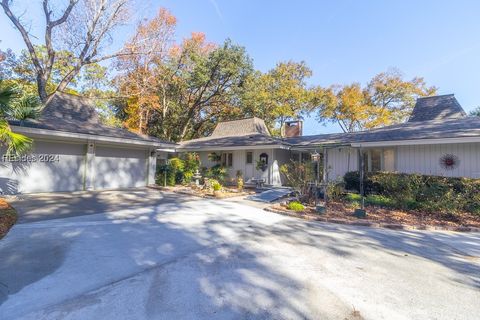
(386, 143)
(242, 147)
(73, 136)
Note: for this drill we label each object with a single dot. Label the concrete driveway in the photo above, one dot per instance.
(47, 206)
(208, 259)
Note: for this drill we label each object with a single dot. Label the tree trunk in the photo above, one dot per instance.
(42, 89)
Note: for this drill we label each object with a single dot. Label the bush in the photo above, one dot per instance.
(175, 174)
(216, 172)
(191, 163)
(295, 206)
(216, 185)
(422, 192)
(298, 175)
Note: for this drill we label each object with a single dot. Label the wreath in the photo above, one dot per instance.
(449, 161)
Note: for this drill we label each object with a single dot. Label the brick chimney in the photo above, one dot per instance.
(292, 128)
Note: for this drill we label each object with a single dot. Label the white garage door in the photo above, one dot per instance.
(119, 168)
(52, 166)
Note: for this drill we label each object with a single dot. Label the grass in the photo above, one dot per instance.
(8, 217)
(372, 199)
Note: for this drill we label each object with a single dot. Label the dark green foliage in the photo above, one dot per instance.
(216, 172)
(191, 163)
(421, 192)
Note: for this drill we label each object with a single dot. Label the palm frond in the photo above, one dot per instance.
(26, 107)
(16, 143)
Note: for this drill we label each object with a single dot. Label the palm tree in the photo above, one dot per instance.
(15, 143)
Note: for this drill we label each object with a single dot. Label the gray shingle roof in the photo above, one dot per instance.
(450, 128)
(75, 114)
(240, 128)
(235, 133)
(231, 141)
(437, 108)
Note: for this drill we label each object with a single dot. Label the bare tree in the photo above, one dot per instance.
(83, 27)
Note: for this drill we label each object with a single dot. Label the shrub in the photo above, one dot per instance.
(295, 206)
(175, 174)
(191, 162)
(216, 172)
(336, 190)
(216, 185)
(422, 192)
(298, 175)
(239, 180)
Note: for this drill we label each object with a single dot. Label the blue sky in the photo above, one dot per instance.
(341, 41)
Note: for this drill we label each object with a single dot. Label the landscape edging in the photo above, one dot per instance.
(369, 223)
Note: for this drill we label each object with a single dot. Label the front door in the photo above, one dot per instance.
(249, 166)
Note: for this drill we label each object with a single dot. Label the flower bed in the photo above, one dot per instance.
(338, 212)
(8, 217)
(203, 193)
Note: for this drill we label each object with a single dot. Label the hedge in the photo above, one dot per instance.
(422, 192)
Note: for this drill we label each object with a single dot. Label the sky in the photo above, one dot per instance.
(342, 41)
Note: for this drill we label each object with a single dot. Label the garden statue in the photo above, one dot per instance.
(197, 177)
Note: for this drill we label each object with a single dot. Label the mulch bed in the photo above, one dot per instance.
(338, 212)
(228, 193)
(8, 217)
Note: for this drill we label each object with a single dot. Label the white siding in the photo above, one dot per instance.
(120, 168)
(66, 174)
(340, 161)
(282, 157)
(271, 175)
(425, 159)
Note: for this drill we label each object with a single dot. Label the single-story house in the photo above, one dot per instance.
(73, 150)
(438, 139)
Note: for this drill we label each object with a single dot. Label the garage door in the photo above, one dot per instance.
(52, 166)
(119, 168)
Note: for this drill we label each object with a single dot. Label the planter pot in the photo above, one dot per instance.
(360, 213)
(321, 209)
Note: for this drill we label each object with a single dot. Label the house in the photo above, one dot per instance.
(242, 145)
(73, 150)
(438, 139)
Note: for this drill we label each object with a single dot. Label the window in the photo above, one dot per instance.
(227, 160)
(249, 159)
(379, 160)
(375, 160)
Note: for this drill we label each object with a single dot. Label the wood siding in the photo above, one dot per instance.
(425, 159)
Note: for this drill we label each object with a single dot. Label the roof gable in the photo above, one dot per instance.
(437, 108)
(240, 128)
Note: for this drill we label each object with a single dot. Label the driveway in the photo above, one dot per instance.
(46, 206)
(210, 259)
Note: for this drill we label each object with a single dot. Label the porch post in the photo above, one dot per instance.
(325, 174)
(89, 175)
(361, 176)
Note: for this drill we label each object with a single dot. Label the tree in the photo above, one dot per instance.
(84, 27)
(144, 78)
(179, 91)
(388, 90)
(21, 71)
(475, 112)
(387, 99)
(280, 94)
